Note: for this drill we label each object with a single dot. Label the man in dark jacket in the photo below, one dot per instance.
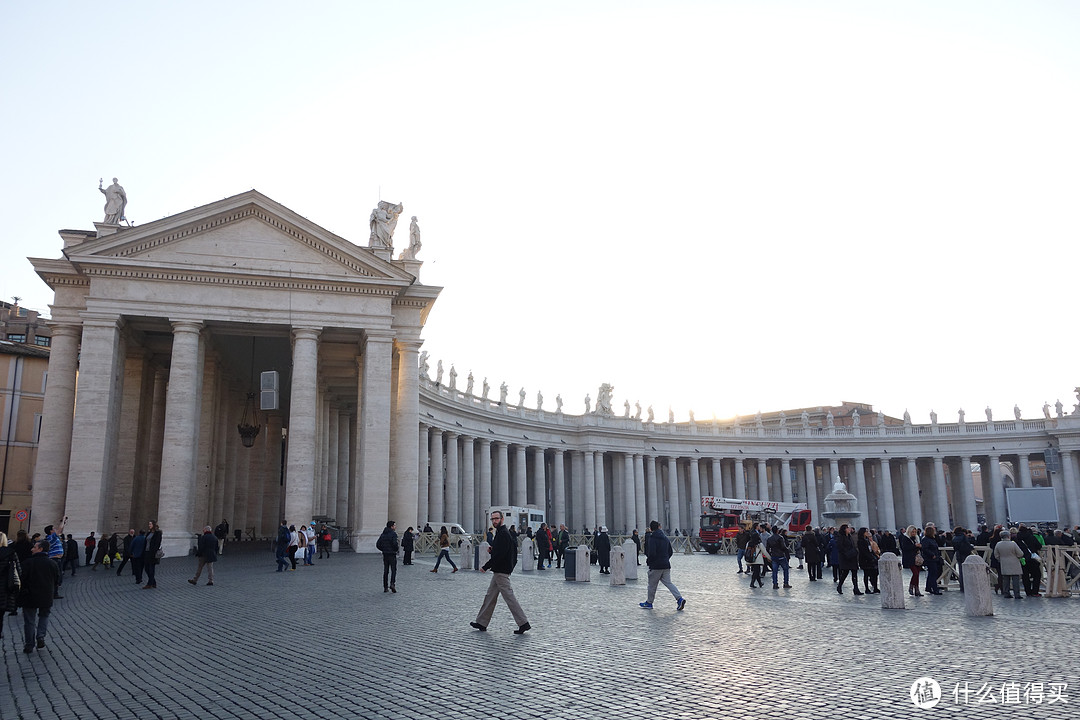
(962, 547)
(387, 544)
(40, 577)
(781, 557)
(208, 555)
(281, 547)
(138, 556)
(561, 543)
(658, 558)
(741, 538)
(220, 533)
(602, 545)
(848, 555)
(501, 563)
(128, 539)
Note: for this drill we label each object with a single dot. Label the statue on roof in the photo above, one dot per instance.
(383, 221)
(603, 400)
(115, 202)
(410, 252)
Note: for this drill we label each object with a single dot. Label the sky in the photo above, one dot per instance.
(714, 206)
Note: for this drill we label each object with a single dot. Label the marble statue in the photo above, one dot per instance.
(637, 410)
(453, 377)
(424, 367)
(855, 418)
(933, 418)
(805, 417)
(1060, 409)
(588, 403)
(907, 418)
(829, 419)
(783, 419)
(880, 419)
(1046, 410)
(691, 413)
(487, 388)
(603, 400)
(839, 486)
(558, 403)
(757, 420)
(989, 414)
(383, 221)
(539, 400)
(410, 252)
(961, 414)
(626, 408)
(521, 397)
(115, 202)
(438, 373)
(503, 390)
(1016, 411)
(670, 416)
(650, 413)
(469, 384)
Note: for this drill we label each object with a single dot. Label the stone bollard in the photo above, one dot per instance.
(891, 582)
(528, 561)
(978, 599)
(689, 549)
(465, 559)
(618, 565)
(334, 545)
(583, 572)
(483, 554)
(630, 551)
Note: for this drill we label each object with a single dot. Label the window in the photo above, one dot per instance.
(37, 428)
(21, 338)
(23, 312)
(42, 341)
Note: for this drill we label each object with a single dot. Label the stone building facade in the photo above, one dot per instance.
(23, 372)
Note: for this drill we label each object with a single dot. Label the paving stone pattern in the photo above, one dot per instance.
(326, 642)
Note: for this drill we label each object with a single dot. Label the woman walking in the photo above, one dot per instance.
(755, 557)
(407, 544)
(812, 553)
(868, 559)
(932, 559)
(444, 551)
(911, 557)
(849, 559)
(150, 554)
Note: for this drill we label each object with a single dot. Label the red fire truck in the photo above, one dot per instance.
(725, 517)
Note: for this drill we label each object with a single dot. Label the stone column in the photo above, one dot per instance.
(727, 488)
(785, 480)
(259, 477)
(996, 492)
(502, 482)
(628, 492)
(1069, 482)
(695, 495)
(834, 473)
(452, 511)
(1025, 470)
(151, 480)
(810, 476)
(558, 489)
(860, 492)
(652, 490)
(333, 455)
(519, 495)
(272, 495)
(589, 488)
(300, 463)
(485, 483)
(436, 481)
(177, 496)
(600, 487)
(468, 483)
(407, 484)
(58, 413)
(762, 479)
(327, 437)
(340, 509)
(373, 471)
(641, 520)
(888, 507)
(941, 497)
(966, 512)
(131, 450)
(423, 473)
(911, 484)
(740, 480)
(673, 493)
(540, 480)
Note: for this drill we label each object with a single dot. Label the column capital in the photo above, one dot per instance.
(66, 329)
(105, 320)
(188, 326)
(378, 336)
(306, 333)
(450, 434)
(408, 345)
(486, 442)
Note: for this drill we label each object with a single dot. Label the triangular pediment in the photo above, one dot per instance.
(247, 234)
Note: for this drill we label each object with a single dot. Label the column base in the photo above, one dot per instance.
(364, 541)
(177, 544)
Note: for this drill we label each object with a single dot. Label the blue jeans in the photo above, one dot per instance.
(777, 563)
(309, 552)
(739, 557)
(36, 623)
(445, 554)
(282, 559)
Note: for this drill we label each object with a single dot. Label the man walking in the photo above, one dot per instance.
(71, 555)
(388, 545)
(282, 547)
(781, 557)
(501, 563)
(658, 558)
(561, 544)
(128, 540)
(40, 577)
(221, 532)
(89, 544)
(56, 553)
(208, 555)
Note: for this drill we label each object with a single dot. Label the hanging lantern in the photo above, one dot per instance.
(248, 427)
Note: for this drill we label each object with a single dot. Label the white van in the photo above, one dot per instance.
(457, 533)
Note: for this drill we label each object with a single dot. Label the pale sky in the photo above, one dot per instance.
(717, 206)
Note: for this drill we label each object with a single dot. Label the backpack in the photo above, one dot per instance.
(12, 576)
(751, 554)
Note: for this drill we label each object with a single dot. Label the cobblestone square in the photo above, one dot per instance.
(326, 642)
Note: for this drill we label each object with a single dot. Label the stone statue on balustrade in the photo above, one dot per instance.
(1060, 409)
(1016, 412)
(691, 414)
(907, 418)
(503, 390)
(961, 416)
(558, 403)
(880, 419)
(805, 418)
(588, 403)
(626, 409)
(424, 367)
(521, 397)
(487, 388)
(757, 420)
(453, 377)
(603, 400)
(539, 400)
(469, 384)
(670, 416)
(438, 373)
(783, 419)
(1046, 410)
(855, 420)
(115, 202)
(651, 416)
(410, 252)
(933, 418)
(829, 419)
(383, 222)
(989, 414)
(637, 410)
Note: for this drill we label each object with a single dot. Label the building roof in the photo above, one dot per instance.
(13, 348)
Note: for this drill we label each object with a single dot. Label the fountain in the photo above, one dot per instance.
(841, 507)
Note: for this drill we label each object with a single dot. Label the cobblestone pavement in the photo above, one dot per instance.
(326, 642)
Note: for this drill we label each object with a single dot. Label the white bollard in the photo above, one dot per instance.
(630, 566)
(891, 582)
(583, 571)
(465, 555)
(484, 554)
(334, 545)
(978, 600)
(528, 562)
(618, 565)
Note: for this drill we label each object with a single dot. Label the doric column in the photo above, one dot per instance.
(300, 465)
(834, 472)
(332, 459)
(727, 488)
(860, 493)
(232, 455)
(1072, 491)
(589, 488)
(222, 430)
(177, 493)
(1025, 470)
(540, 480)
(271, 503)
(151, 479)
(911, 485)
(502, 482)
(131, 438)
(373, 470)
(558, 489)
(652, 501)
(423, 475)
(452, 511)
(740, 479)
(641, 521)
(785, 480)
(941, 497)
(629, 499)
(966, 512)
(810, 477)
(468, 483)
(995, 491)
(436, 481)
(485, 483)
(327, 454)
(519, 493)
(887, 507)
(694, 505)
(673, 493)
(762, 479)
(339, 509)
(407, 483)
(239, 518)
(716, 475)
(58, 412)
(601, 489)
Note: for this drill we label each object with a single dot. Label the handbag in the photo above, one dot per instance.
(918, 557)
(159, 554)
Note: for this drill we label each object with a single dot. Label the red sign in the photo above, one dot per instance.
(21, 515)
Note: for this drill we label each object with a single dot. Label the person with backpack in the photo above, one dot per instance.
(387, 544)
(754, 556)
